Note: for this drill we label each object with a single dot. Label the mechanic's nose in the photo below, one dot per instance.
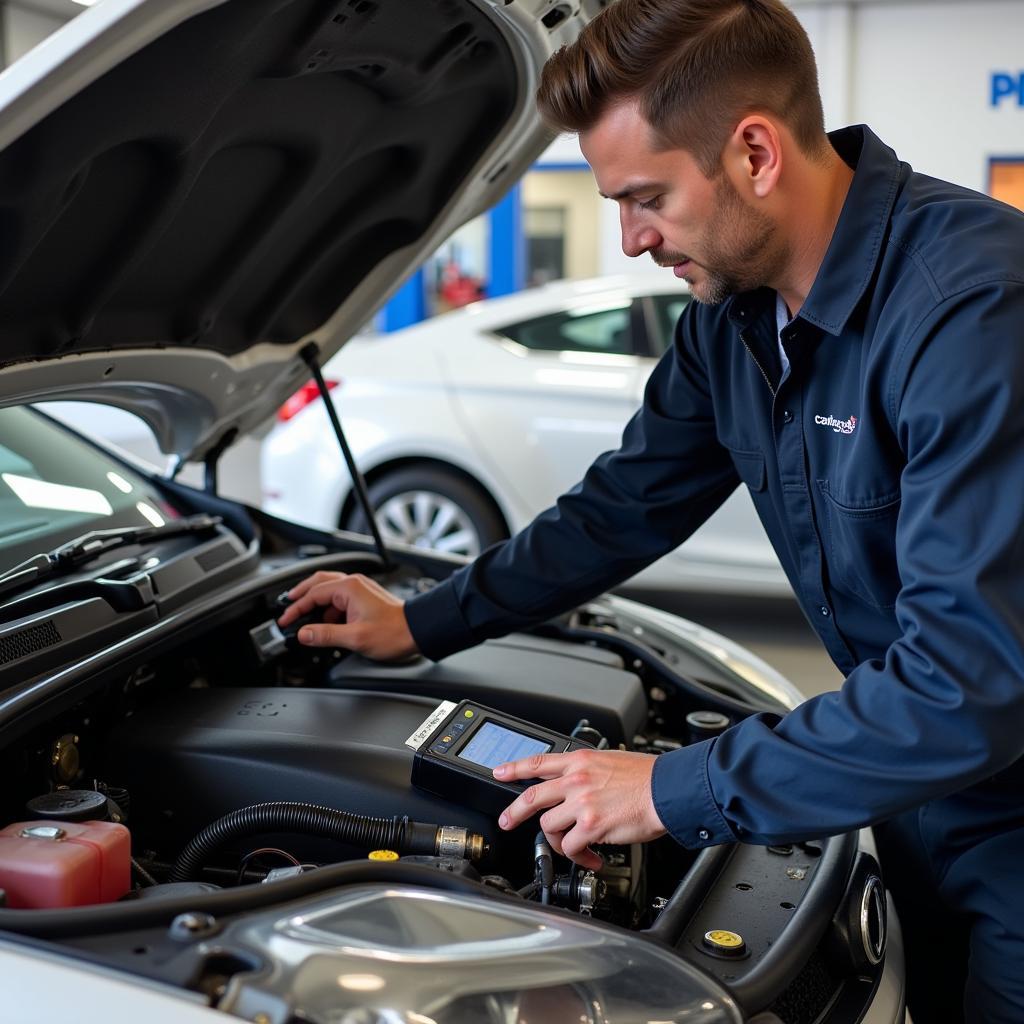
(637, 238)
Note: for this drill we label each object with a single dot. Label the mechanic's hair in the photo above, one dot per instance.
(696, 68)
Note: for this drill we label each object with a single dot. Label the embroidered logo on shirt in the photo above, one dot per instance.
(838, 426)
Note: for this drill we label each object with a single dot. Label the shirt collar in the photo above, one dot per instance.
(856, 244)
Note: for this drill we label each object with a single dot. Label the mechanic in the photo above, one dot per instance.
(856, 358)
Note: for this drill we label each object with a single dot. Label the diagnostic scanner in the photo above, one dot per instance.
(460, 743)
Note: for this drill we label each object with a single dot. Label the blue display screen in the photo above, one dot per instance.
(492, 745)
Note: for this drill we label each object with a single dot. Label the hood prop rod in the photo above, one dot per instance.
(309, 356)
(211, 460)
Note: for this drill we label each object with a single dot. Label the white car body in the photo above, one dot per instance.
(523, 424)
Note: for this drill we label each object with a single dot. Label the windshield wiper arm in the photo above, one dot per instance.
(84, 549)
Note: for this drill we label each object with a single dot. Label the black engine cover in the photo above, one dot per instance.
(548, 682)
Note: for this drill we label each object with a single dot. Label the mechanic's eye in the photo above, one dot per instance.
(650, 204)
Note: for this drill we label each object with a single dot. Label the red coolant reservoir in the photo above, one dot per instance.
(64, 863)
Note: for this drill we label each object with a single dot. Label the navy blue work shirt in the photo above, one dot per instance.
(887, 465)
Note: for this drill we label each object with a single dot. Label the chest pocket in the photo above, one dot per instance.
(861, 544)
(750, 466)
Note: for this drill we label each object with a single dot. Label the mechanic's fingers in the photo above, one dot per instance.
(576, 847)
(323, 634)
(532, 800)
(301, 606)
(311, 581)
(557, 820)
(334, 592)
(568, 841)
(537, 766)
(554, 839)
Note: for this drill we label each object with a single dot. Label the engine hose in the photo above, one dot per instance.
(398, 834)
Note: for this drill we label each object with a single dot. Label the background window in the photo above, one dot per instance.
(606, 330)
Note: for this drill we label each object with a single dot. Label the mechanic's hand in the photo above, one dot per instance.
(594, 796)
(358, 614)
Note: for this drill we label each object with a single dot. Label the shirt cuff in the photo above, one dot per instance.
(683, 798)
(437, 624)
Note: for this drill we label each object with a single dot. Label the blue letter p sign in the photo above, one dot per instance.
(1004, 86)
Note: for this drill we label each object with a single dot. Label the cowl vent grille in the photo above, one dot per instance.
(28, 641)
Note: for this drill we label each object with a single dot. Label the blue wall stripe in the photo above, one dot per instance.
(507, 245)
(563, 166)
(407, 306)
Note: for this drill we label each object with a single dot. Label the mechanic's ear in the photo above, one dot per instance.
(753, 156)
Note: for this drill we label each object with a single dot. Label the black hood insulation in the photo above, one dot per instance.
(232, 182)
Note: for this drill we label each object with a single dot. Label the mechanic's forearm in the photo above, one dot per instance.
(633, 506)
(568, 555)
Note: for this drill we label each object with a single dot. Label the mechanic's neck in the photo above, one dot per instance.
(817, 192)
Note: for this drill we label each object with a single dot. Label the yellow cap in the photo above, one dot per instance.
(383, 855)
(468, 713)
(725, 943)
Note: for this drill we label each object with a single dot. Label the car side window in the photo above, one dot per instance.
(667, 311)
(606, 330)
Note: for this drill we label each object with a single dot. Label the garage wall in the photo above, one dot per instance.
(921, 75)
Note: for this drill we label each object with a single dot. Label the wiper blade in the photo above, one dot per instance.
(84, 549)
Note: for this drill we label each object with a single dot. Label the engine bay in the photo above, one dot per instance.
(216, 725)
(241, 770)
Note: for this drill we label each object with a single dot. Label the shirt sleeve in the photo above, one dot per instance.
(944, 709)
(632, 506)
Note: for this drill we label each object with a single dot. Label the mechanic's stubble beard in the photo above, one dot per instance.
(740, 250)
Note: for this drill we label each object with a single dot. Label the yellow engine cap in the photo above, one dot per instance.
(724, 943)
(382, 855)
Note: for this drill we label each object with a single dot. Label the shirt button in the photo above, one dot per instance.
(787, 416)
(825, 611)
(704, 835)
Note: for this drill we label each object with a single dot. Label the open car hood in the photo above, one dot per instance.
(192, 191)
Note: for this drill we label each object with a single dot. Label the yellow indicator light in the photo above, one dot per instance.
(725, 943)
(468, 714)
(383, 855)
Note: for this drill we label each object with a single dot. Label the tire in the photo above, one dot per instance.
(432, 508)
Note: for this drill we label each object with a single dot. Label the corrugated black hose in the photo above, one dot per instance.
(398, 834)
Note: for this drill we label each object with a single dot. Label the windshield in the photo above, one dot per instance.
(55, 486)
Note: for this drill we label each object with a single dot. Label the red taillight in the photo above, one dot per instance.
(309, 392)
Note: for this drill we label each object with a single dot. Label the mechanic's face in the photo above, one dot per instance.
(700, 227)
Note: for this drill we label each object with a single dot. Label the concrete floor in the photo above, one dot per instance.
(774, 629)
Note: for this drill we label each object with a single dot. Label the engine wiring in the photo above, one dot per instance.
(264, 851)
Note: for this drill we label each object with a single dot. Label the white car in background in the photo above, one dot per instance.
(469, 424)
